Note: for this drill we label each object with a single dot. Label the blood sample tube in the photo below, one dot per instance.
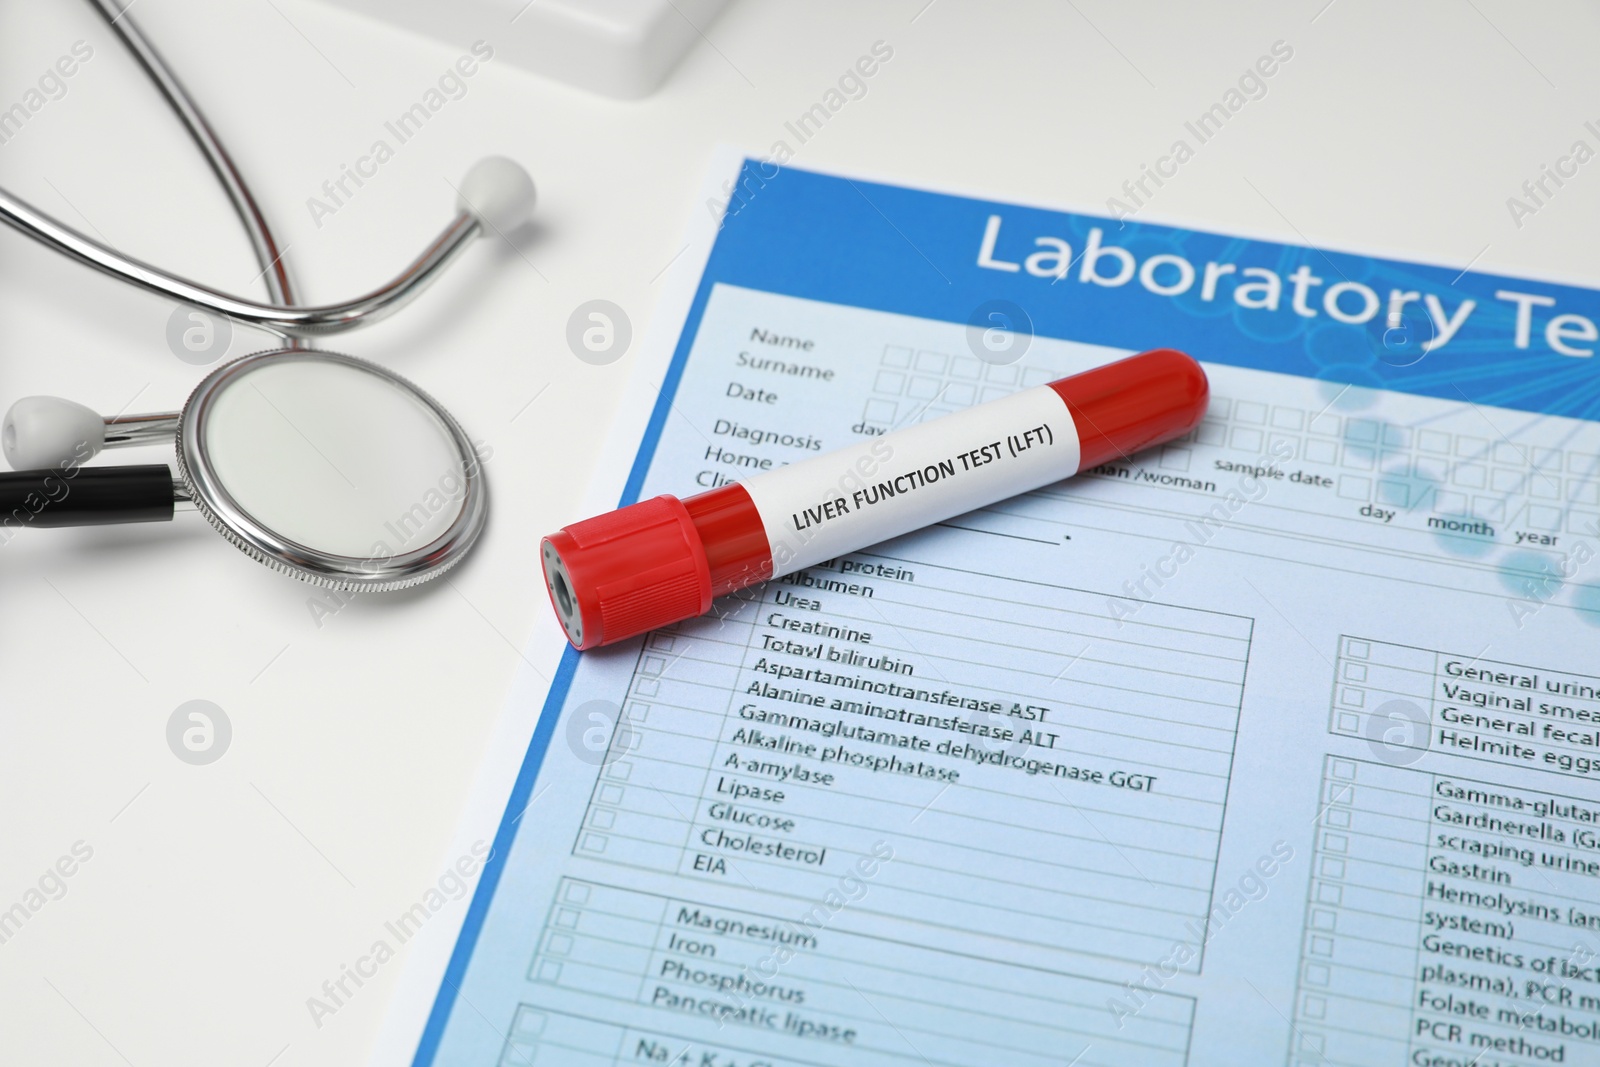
(663, 560)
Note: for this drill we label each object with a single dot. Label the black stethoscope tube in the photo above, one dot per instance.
(86, 496)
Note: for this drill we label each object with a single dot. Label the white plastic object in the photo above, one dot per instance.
(499, 192)
(44, 432)
(618, 48)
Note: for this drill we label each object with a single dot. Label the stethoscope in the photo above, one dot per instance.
(325, 467)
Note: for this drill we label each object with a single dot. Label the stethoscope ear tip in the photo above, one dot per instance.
(47, 432)
(499, 193)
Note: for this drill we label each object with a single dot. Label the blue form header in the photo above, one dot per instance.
(1333, 316)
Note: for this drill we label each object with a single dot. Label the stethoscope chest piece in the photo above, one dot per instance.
(322, 466)
(331, 469)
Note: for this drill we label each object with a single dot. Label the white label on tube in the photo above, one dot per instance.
(845, 500)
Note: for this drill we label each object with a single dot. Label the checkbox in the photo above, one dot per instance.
(879, 411)
(1314, 1007)
(1337, 817)
(611, 794)
(1247, 440)
(519, 1054)
(1317, 974)
(652, 666)
(646, 687)
(1321, 946)
(1330, 894)
(1251, 412)
(1339, 793)
(577, 893)
(531, 1023)
(1335, 843)
(1322, 919)
(638, 712)
(619, 770)
(1332, 867)
(1360, 458)
(1355, 487)
(1311, 1042)
(663, 642)
(595, 843)
(567, 917)
(558, 945)
(1349, 722)
(1322, 452)
(1355, 672)
(1345, 769)
(602, 818)
(966, 367)
(1357, 649)
(1351, 697)
(549, 971)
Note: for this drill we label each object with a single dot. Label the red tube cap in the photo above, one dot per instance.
(1127, 406)
(627, 572)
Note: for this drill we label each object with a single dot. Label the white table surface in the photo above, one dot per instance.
(219, 898)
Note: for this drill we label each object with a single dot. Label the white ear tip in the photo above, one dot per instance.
(42, 432)
(499, 192)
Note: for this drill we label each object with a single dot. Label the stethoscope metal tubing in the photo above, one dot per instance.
(298, 321)
(279, 314)
(124, 431)
(274, 270)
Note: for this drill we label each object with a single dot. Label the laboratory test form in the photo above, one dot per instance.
(1276, 744)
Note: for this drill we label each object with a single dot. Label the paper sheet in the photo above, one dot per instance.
(1275, 745)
